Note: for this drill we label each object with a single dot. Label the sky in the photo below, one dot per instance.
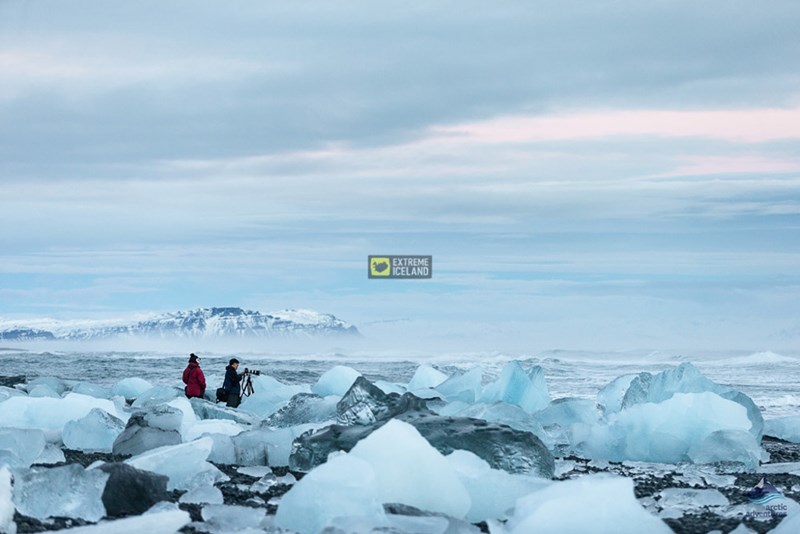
(604, 175)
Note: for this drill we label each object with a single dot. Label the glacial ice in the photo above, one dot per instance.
(343, 486)
(492, 492)
(203, 495)
(92, 390)
(499, 412)
(364, 404)
(335, 381)
(410, 471)
(163, 522)
(464, 387)
(269, 480)
(55, 384)
(222, 518)
(184, 464)
(666, 431)
(223, 451)
(212, 426)
(7, 525)
(278, 443)
(729, 446)
(43, 390)
(204, 409)
(686, 378)
(52, 454)
(569, 411)
(7, 393)
(131, 388)
(515, 386)
(66, 491)
(147, 430)
(304, 408)
(269, 395)
(251, 448)
(20, 447)
(426, 377)
(785, 428)
(156, 395)
(611, 396)
(95, 432)
(50, 415)
(592, 503)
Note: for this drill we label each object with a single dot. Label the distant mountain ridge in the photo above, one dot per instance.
(198, 323)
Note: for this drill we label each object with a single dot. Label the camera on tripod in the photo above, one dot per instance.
(251, 371)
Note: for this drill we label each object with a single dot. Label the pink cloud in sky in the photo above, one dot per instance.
(736, 164)
(747, 125)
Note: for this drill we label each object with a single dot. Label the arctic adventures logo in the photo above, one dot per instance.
(406, 267)
(768, 496)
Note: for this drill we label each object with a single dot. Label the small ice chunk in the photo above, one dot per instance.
(52, 454)
(345, 486)
(256, 471)
(390, 387)
(92, 390)
(66, 491)
(682, 500)
(166, 522)
(94, 433)
(335, 381)
(464, 387)
(7, 525)
(229, 518)
(204, 409)
(156, 395)
(426, 377)
(131, 388)
(251, 447)
(304, 408)
(592, 503)
(492, 492)
(43, 390)
(55, 384)
(270, 480)
(515, 386)
(184, 464)
(729, 446)
(7, 393)
(569, 411)
(203, 495)
(223, 451)
(409, 470)
(500, 412)
(212, 426)
(785, 428)
(20, 447)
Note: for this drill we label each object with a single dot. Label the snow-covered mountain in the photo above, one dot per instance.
(202, 322)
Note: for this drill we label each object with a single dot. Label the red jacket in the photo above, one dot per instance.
(195, 380)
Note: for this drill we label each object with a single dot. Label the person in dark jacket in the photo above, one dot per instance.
(194, 379)
(232, 385)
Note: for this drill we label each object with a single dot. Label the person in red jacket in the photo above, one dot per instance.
(194, 379)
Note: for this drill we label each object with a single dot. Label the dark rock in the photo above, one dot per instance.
(131, 491)
(11, 381)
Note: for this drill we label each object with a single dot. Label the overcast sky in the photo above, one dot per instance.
(607, 174)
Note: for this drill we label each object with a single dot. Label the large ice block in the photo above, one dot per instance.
(131, 388)
(92, 390)
(157, 395)
(269, 395)
(304, 408)
(737, 446)
(164, 522)
(94, 433)
(50, 415)
(515, 386)
(345, 486)
(785, 428)
(184, 464)
(55, 384)
(335, 381)
(599, 504)
(7, 525)
(66, 491)
(20, 447)
(409, 470)
(146, 430)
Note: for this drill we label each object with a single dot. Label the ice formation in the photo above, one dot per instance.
(528, 390)
(7, 525)
(305, 408)
(335, 381)
(426, 377)
(92, 390)
(165, 522)
(20, 447)
(345, 486)
(464, 387)
(95, 432)
(67, 491)
(203, 495)
(785, 428)
(50, 414)
(184, 464)
(131, 388)
(592, 503)
(270, 395)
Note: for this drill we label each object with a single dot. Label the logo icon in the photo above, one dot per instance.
(379, 267)
(763, 492)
